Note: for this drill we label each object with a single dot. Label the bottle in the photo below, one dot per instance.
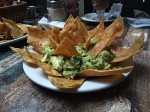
(56, 10)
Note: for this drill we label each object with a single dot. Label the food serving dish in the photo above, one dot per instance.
(90, 85)
(89, 18)
(13, 40)
(76, 60)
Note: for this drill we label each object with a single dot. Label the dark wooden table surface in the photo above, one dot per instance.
(19, 94)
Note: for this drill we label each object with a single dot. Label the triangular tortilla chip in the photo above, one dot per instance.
(93, 73)
(53, 36)
(68, 22)
(96, 32)
(48, 30)
(48, 70)
(66, 48)
(65, 34)
(117, 50)
(110, 34)
(25, 56)
(136, 47)
(82, 31)
(64, 83)
(56, 32)
(74, 31)
(24, 27)
(53, 43)
(5, 32)
(119, 29)
(37, 38)
(15, 31)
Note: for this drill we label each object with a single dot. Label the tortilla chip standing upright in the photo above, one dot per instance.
(66, 48)
(37, 38)
(136, 47)
(110, 34)
(65, 34)
(96, 32)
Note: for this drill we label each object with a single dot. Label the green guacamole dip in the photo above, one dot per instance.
(70, 67)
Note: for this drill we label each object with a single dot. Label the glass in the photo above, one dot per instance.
(56, 11)
(100, 6)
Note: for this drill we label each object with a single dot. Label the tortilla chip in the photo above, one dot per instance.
(15, 31)
(37, 38)
(110, 34)
(56, 32)
(100, 25)
(4, 32)
(53, 37)
(77, 30)
(68, 22)
(24, 27)
(82, 31)
(119, 29)
(65, 34)
(48, 30)
(136, 47)
(66, 48)
(96, 32)
(64, 83)
(74, 31)
(25, 56)
(53, 43)
(94, 73)
(117, 50)
(48, 70)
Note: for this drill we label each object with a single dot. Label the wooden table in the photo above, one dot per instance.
(19, 94)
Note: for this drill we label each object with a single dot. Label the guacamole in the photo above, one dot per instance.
(70, 67)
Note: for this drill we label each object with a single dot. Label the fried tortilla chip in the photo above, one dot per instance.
(48, 30)
(53, 43)
(82, 31)
(117, 50)
(4, 32)
(66, 48)
(110, 34)
(100, 25)
(53, 37)
(24, 27)
(76, 29)
(48, 70)
(93, 73)
(75, 32)
(68, 22)
(64, 83)
(136, 47)
(65, 34)
(15, 31)
(37, 38)
(56, 32)
(25, 56)
(96, 32)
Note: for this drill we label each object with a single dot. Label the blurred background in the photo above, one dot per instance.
(127, 11)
